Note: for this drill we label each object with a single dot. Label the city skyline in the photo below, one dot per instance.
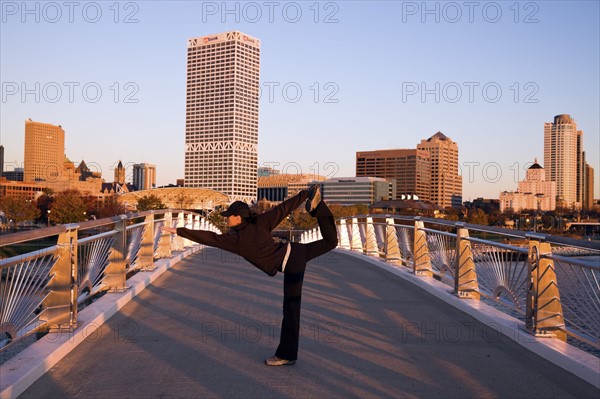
(357, 79)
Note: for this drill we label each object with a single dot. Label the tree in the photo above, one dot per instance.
(218, 220)
(68, 207)
(477, 216)
(18, 209)
(340, 211)
(148, 202)
(182, 201)
(91, 205)
(109, 208)
(452, 214)
(43, 203)
(301, 220)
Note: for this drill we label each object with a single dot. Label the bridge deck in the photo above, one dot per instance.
(205, 326)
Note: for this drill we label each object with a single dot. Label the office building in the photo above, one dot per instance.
(533, 193)
(588, 197)
(564, 160)
(19, 189)
(221, 129)
(144, 176)
(85, 173)
(44, 152)
(410, 169)
(446, 183)
(357, 190)
(46, 164)
(14, 175)
(265, 171)
(279, 187)
(580, 168)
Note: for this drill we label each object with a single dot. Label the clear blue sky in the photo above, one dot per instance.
(362, 68)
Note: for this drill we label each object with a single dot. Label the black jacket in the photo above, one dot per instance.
(252, 241)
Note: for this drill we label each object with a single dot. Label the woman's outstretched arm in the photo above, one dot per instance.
(228, 242)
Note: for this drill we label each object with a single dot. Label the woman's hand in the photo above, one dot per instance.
(171, 230)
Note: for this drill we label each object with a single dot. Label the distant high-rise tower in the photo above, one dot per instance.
(564, 160)
(409, 168)
(44, 152)
(1, 160)
(588, 195)
(446, 183)
(144, 176)
(221, 129)
(580, 168)
(120, 174)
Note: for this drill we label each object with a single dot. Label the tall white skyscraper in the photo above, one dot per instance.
(221, 129)
(564, 159)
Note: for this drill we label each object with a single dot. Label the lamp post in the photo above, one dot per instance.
(48, 217)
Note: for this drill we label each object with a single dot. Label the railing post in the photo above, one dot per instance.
(178, 241)
(343, 233)
(355, 241)
(544, 314)
(147, 248)
(115, 273)
(61, 303)
(371, 247)
(465, 277)
(188, 223)
(164, 244)
(422, 264)
(392, 249)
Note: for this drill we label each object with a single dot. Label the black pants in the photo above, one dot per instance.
(294, 277)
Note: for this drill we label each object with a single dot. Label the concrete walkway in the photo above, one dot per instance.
(204, 328)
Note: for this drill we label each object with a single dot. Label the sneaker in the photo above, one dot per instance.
(277, 361)
(314, 198)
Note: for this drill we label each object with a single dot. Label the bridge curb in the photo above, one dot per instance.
(20, 372)
(568, 357)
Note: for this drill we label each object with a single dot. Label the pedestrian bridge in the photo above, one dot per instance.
(199, 323)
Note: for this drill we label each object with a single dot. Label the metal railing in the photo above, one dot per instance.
(528, 273)
(41, 290)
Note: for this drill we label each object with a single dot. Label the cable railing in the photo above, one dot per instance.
(534, 276)
(551, 283)
(41, 290)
